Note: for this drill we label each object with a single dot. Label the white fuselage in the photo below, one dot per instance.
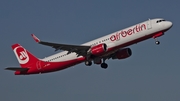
(130, 34)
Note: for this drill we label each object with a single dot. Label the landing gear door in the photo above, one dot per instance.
(149, 25)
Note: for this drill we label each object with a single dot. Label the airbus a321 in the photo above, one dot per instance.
(112, 46)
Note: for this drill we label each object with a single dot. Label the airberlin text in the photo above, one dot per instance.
(124, 33)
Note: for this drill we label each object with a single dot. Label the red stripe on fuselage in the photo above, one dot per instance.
(55, 66)
(46, 67)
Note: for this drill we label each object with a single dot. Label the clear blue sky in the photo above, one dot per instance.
(150, 74)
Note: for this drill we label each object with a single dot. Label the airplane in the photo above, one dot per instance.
(112, 46)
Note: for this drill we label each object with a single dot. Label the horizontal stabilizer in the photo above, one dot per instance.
(17, 69)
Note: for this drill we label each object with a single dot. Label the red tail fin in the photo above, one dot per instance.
(25, 58)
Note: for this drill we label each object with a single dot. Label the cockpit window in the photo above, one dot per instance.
(160, 21)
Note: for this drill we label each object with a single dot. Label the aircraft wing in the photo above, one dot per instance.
(78, 49)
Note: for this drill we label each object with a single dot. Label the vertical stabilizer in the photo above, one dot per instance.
(24, 57)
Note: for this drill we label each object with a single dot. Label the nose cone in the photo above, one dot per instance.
(168, 24)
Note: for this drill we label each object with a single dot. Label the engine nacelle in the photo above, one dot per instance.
(122, 54)
(98, 49)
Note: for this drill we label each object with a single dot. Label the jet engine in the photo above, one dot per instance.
(98, 49)
(122, 53)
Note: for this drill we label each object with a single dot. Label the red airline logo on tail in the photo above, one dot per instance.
(22, 55)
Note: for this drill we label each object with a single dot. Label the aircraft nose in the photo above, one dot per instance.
(169, 24)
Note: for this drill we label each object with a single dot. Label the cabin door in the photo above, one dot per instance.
(38, 65)
(149, 25)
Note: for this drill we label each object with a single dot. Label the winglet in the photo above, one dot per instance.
(35, 38)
